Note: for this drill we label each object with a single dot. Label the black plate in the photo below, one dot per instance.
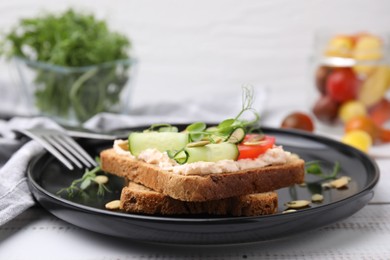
(46, 176)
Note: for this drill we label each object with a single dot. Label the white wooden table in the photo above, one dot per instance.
(38, 235)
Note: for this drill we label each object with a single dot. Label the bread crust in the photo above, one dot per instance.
(136, 198)
(205, 187)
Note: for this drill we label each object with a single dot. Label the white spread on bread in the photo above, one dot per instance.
(120, 148)
(273, 156)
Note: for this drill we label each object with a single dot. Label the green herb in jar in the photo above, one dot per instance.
(74, 56)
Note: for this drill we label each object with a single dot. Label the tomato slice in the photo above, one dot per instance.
(253, 151)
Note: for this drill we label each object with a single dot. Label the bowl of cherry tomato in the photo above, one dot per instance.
(352, 78)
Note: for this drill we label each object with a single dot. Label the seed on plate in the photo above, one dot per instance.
(289, 211)
(326, 185)
(113, 205)
(297, 204)
(198, 144)
(101, 179)
(303, 184)
(340, 182)
(317, 197)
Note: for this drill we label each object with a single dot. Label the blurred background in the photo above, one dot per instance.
(189, 50)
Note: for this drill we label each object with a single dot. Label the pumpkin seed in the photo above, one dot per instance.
(124, 145)
(254, 142)
(101, 179)
(340, 182)
(297, 204)
(317, 197)
(256, 138)
(289, 211)
(326, 185)
(113, 205)
(198, 143)
(218, 140)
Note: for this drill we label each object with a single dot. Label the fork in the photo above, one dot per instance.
(61, 146)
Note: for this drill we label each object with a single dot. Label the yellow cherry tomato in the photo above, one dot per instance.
(358, 139)
(351, 109)
(340, 46)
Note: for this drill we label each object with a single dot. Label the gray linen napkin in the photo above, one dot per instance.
(15, 155)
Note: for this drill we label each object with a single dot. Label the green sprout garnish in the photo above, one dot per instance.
(80, 185)
(180, 156)
(314, 167)
(199, 131)
(162, 128)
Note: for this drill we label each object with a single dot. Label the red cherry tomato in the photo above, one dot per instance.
(326, 109)
(298, 120)
(253, 151)
(380, 113)
(342, 84)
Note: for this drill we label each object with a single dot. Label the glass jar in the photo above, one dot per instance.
(72, 95)
(351, 77)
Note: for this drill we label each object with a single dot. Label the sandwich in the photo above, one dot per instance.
(206, 179)
(200, 168)
(171, 174)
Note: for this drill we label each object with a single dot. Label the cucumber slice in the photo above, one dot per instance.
(212, 152)
(222, 151)
(161, 141)
(196, 154)
(236, 136)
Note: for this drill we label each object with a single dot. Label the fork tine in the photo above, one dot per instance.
(54, 141)
(49, 148)
(76, 150)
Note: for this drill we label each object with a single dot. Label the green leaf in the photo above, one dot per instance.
(168, 129)
(162, 128)
(226, 126)
(196, 130)
(196, 127)
(315, 168)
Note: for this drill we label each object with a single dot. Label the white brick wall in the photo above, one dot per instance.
(189, 48)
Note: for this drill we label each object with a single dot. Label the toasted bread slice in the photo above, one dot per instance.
(205, 187)
(136, 198)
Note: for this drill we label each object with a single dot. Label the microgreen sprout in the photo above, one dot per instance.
(80, 185)
(199, 131)
(180, 156)
(314, 167)
(162, 128)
